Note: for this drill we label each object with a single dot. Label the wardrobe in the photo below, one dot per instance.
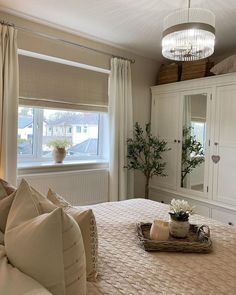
(197, 119)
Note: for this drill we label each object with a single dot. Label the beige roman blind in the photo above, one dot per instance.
(52, 85)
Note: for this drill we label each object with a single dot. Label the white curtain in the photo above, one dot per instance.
(121, 127)
(8, 103)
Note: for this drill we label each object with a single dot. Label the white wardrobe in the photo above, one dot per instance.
(197, 118)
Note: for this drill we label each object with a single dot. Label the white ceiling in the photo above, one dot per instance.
(132, 24)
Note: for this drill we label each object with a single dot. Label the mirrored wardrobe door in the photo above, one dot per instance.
(194, 142)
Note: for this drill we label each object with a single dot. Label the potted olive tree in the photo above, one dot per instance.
(59, 149)
(145, 154)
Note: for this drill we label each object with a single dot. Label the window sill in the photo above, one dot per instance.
(42, 167)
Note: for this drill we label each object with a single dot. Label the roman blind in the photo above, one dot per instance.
(48, 84)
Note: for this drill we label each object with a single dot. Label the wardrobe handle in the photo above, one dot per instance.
(175, 140)
(230, 223)
(179, 141)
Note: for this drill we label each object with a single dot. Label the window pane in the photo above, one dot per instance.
(25, 131)
(199, 131)
(80, 129)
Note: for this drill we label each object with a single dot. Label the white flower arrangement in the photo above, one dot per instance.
(180, 210)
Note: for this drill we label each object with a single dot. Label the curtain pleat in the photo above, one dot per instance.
(9, 92)
(120, 126)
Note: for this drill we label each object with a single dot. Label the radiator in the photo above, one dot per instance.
(83, 187)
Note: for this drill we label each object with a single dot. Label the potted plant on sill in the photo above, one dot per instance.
(144, 153)
(59, 149)
(179, 223)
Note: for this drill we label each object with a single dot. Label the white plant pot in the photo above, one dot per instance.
(59, 155)
(179, 229)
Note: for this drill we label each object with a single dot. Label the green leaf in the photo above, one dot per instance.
(144, 152)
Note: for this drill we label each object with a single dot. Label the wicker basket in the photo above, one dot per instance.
(168, 73)
(197, 240)
(196, 69)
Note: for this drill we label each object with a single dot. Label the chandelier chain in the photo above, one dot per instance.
(189, 3)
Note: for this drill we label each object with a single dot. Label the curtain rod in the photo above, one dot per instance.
(64, 41)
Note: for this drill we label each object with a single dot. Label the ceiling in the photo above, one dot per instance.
(132, 24)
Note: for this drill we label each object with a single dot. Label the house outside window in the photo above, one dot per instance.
(85, 129)
(37, 127)
(78, 129)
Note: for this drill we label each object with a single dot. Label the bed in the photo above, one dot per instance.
(125, 268)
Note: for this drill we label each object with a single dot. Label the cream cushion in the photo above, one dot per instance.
(5, 205)
(13, 281)
(226, 66)
(87, 223)
(6, 189)
(6, 198)
(48, 247)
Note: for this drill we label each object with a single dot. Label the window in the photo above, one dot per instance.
(78, 129)
(37, 127)
(199, 131)
(25, 131)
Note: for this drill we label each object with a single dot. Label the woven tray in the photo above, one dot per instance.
(198, 240)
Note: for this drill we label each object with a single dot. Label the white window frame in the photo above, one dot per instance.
(36, 156)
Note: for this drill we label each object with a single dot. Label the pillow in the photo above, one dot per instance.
(226, 66)
(5, 189)
(15, 282)
(48, 247)
(87, 223)
(5, 205)
(6, 198)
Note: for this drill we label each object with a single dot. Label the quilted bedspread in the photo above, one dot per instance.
(125, 268)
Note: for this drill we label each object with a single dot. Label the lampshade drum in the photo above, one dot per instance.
(189, 35)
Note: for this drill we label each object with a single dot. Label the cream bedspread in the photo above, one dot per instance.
(125, 268)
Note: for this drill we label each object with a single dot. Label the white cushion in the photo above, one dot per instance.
(226, 66)
(49, 246)
(14, 282)
(87, 223)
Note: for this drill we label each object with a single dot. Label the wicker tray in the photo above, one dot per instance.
(198, 240)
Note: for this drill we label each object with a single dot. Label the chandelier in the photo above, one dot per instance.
(188, 34)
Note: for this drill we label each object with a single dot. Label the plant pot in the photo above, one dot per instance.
(59, 154)
(179, 229)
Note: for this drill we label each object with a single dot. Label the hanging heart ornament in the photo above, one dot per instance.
(215, 158)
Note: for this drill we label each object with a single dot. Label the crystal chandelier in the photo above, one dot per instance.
(188, 34)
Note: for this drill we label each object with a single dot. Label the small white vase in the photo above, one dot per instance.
(179, 229)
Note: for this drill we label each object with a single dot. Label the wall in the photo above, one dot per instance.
(144, 70)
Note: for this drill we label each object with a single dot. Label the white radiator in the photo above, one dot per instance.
(82, 187)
